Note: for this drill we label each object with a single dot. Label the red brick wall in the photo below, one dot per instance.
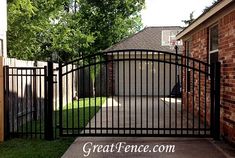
(199, 50)
(111, 76)
(227, 56)
(196, 96)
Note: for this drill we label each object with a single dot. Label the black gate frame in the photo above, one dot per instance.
(214, 76)
(49, 85)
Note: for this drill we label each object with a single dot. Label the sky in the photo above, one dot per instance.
(156, 13)
(3, 12)
(171, 12)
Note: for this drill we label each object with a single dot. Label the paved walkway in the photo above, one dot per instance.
(152, 116)
(142, 113)
(184, 148)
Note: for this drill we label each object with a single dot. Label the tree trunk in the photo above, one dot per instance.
(93, 88)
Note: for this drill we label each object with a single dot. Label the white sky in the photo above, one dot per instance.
(156, 13)
(171, 12)
(3, 15)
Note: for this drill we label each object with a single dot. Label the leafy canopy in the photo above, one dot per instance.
(61, 29)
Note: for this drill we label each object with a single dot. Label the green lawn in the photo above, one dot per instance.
(87, 109)
(27, 148)
(38, 148)
(86, 112)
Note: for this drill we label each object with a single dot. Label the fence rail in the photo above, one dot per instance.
(117, 93)
(25, 101)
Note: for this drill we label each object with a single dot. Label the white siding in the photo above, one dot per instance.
(152, 76)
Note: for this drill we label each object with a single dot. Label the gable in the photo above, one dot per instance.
(151, 38)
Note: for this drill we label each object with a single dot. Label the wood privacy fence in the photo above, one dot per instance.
(25, 95)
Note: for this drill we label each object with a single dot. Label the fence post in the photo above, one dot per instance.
(212, 92)
(49, 103)
(217, 102)
(1, 100)
(35, 92)
(60, 99)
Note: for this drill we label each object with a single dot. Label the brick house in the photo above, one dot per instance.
(211, 38)
(144, 42)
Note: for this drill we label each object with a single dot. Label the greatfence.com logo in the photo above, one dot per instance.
(123, 147)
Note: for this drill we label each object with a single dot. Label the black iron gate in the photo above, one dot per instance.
(116, 93)
(29, 100)
(25, 101)
(139, 92)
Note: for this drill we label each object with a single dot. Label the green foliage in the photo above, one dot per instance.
(110, 20)
(212, 5)
(64, 38)
(19, 33)
(43, 29)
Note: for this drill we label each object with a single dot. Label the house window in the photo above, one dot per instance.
(188, 54)
(213, 44)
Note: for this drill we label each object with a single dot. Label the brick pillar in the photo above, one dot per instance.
(110, 72)
(1, 100)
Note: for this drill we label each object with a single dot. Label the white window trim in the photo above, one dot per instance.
(209, 46)
(209, 42)
(212, 52)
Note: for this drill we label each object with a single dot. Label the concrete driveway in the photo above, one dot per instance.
(184, 148)
(130, 112)
(141, 112)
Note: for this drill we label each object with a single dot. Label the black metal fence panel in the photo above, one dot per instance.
(24, 101)
(116, 93)
(143, 92)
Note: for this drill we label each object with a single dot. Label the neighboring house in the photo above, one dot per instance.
(211, 38)
(149, 40)
(3, 27)
(160, 38)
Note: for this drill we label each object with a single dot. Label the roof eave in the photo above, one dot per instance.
(127, 38)
(203, 18)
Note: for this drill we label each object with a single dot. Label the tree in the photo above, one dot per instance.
(110, 20)
(64, 38)
(61, 29)
(209, 7)
(94, 71)
(191, 19)
(39, 29)
(19, 34)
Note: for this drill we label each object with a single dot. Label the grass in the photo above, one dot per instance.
(81, 107)
(74, 114)
(27, 148)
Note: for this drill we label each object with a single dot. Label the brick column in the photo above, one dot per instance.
(110, 72)
(1, 100)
